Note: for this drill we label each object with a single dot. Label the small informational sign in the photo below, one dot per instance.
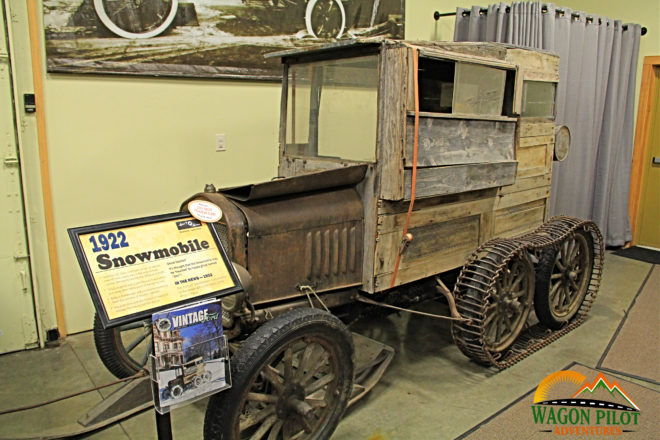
(136, 267)
(204, 211)
(190, 359)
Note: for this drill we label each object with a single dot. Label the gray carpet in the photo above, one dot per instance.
(634, 350)
(516, 421)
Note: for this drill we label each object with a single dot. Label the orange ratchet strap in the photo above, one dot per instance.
(405, 237)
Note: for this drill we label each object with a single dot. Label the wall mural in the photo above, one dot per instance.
(203, 38)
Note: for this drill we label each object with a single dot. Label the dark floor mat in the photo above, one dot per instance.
(517, 420)
(634, 350)
(640, 253)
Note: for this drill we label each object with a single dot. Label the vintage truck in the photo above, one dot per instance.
(191, 374)
(398, 162)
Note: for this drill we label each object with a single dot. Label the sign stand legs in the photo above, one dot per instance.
(163, 426)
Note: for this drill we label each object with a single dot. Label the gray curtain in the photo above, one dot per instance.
(595, 99)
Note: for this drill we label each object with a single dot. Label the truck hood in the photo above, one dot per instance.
(347, 176)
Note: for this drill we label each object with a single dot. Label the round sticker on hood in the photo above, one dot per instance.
(204, 211)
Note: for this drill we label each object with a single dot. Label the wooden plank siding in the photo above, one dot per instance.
(519, 219)
(522, 207)
(534, 148)
(436, 181)
(393, 91)
(460, 141)
(445, 231)
(436, 247)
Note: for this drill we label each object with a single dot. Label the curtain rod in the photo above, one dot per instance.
(544, 9)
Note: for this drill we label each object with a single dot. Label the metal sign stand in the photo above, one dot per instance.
(163, 426)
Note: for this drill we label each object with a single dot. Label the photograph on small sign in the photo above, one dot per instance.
(190, 354)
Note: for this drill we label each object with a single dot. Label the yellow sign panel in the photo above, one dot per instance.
(143, 267)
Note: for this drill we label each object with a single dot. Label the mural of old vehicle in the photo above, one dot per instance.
(203, 38)
(404, 168)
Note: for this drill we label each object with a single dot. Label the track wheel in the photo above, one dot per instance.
(498, 305)
(291, 378)
(124, 350)
(562, 279)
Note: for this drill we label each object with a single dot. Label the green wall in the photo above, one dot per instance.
(123, 147)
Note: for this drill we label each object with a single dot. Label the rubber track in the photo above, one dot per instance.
(480, 272)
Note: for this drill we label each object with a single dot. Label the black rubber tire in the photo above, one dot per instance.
(261, 349)
(544, 271)
(111, 351)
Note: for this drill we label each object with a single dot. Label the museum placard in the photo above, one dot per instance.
(136, 267)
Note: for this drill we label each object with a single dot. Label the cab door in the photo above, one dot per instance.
(649, 208)
(18, 329)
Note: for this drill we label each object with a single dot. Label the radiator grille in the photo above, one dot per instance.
(221, 230)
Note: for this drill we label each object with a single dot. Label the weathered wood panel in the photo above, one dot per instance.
(367, 191)
(435, 248)
(392, 115)
(536, 75)
(479, 49)
(535, 140)
(459, 141)
(434, 214)
(524, 183)
(531, 161)
(294, 166)
(534, 61)
(452, 179)
(519, 219)
(521, 197)
(530, 129)
(390, 207)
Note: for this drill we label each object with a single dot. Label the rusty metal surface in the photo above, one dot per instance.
(469, 336)
(371, 360)
(346, 176)
(302, 211)
(314, 239)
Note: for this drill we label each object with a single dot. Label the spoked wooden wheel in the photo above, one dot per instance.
(124, 350)
(509, 304)
(291, 379)
(498, 303)
(563, 277)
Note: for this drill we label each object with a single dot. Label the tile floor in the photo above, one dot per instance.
(430, 391)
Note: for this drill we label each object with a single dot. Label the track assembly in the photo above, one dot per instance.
(497, 283)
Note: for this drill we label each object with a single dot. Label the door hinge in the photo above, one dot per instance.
(21, 256)
(24, 281)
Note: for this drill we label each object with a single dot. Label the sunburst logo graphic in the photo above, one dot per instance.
(545, 387)
(572, 405)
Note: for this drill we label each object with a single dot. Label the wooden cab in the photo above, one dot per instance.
(484, 153)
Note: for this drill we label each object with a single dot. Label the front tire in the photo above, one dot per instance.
(291, 378)
(124, 350)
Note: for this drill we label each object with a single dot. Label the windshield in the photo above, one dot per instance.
(332, 109)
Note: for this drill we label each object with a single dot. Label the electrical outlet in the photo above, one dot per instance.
(220, 142)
